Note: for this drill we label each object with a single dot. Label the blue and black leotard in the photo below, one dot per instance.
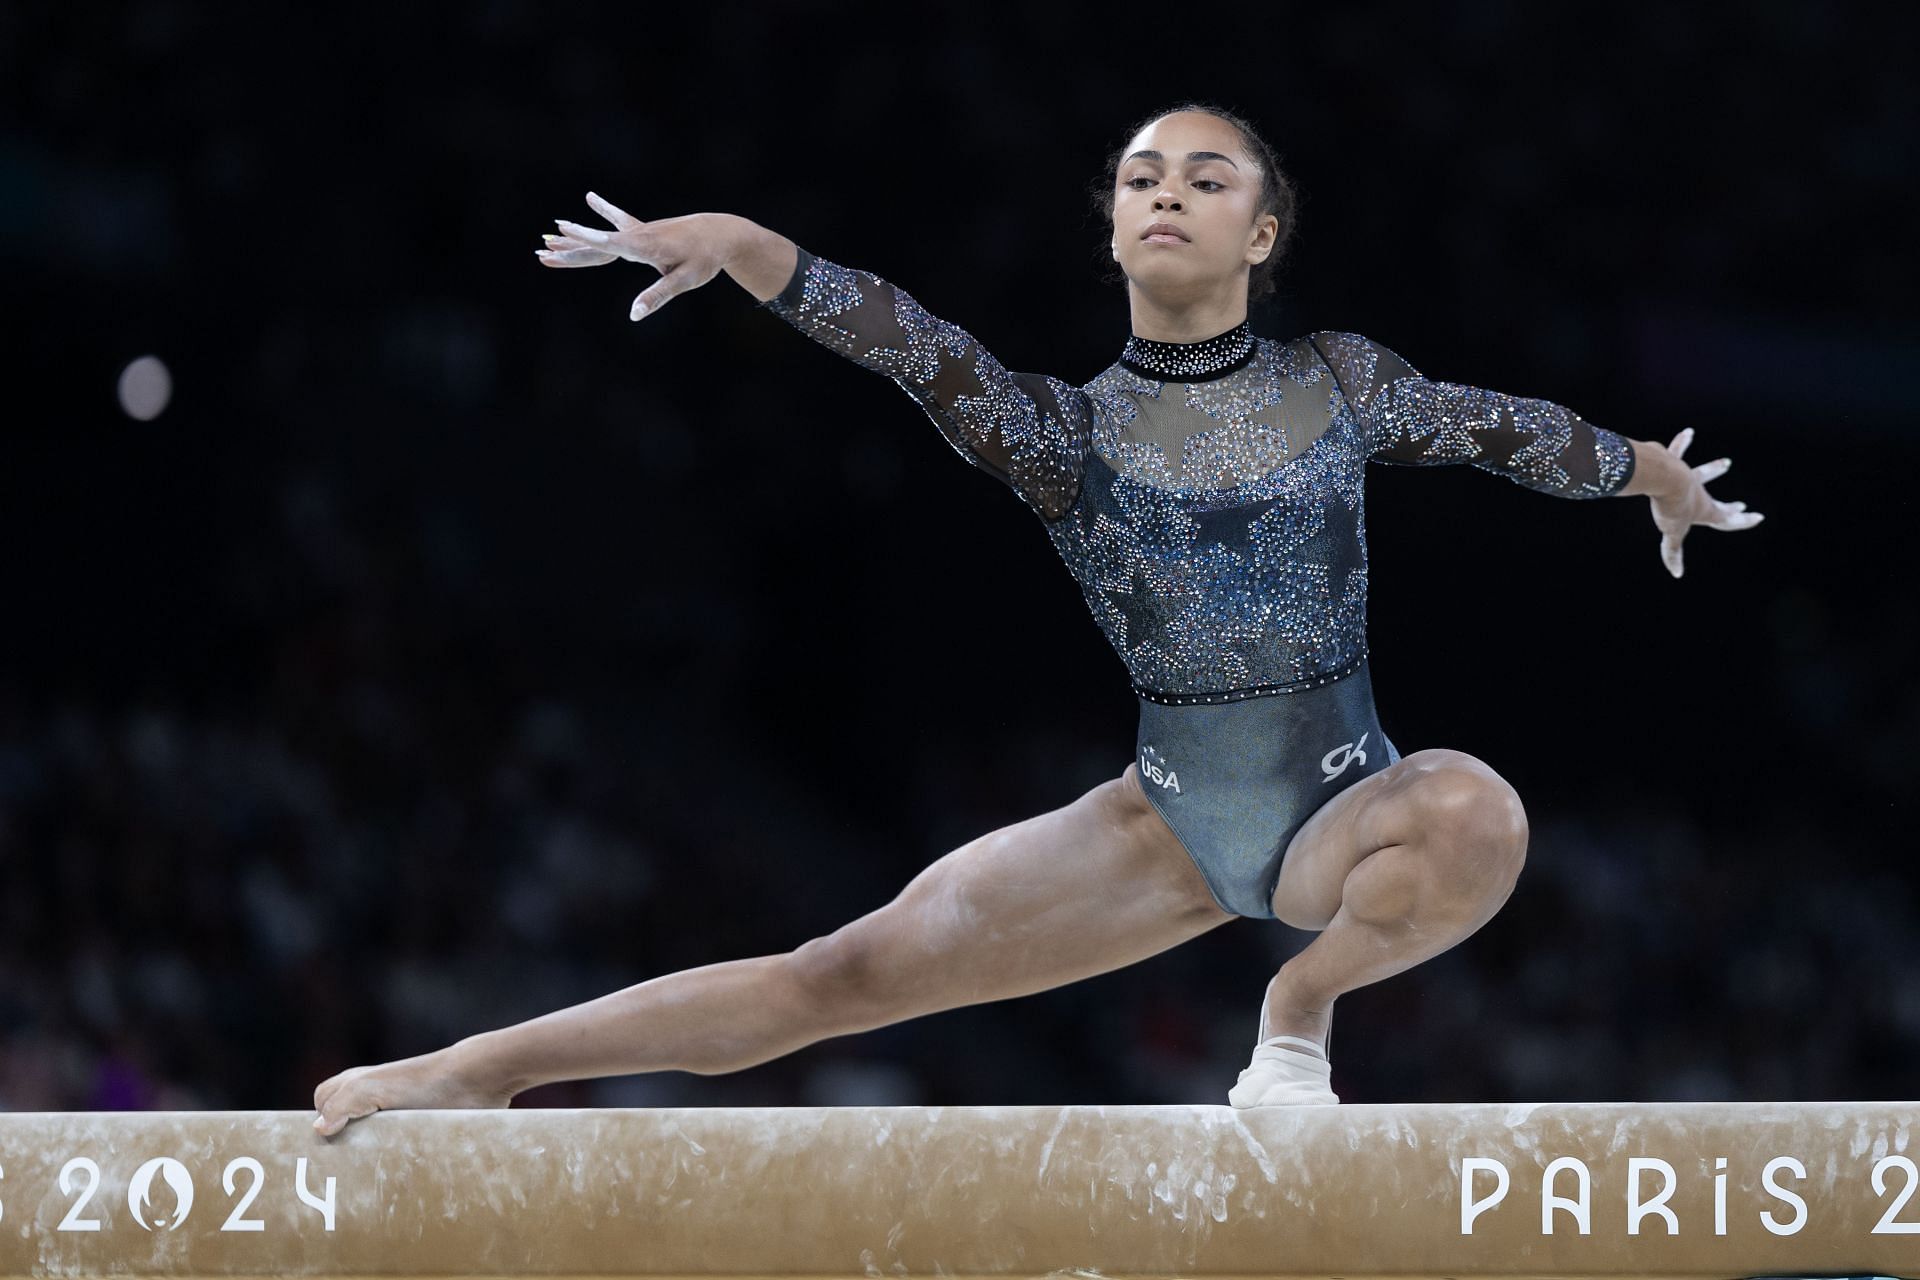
(1207, 497)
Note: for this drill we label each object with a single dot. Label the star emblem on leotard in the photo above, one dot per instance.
(1136, 601)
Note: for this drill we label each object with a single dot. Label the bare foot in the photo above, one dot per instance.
(430, 1080)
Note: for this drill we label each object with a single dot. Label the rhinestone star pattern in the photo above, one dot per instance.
(1207, 496)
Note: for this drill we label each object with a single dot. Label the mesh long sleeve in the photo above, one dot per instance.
(1027, 430)
(1410, 420)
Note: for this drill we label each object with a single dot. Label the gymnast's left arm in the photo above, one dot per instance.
(1411, 420)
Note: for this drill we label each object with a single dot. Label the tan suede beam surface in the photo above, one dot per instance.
(1592, 1189)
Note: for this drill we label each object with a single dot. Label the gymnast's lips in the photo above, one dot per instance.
(1159, 231)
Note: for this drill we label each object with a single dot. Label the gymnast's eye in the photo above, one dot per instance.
(1208, 181)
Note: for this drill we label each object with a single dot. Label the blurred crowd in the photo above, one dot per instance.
(212, 912)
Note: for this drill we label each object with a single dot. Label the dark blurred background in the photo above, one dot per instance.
(450, 649)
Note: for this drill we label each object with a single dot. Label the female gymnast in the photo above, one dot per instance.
(1205, 492)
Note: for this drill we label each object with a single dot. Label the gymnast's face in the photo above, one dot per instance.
(1196, 176)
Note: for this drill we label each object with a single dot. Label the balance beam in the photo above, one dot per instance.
(1548, 1190)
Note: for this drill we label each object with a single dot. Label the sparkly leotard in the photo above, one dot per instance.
(1207, 497)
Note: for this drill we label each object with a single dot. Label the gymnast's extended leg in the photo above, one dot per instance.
(1394, 870)
(1084, 889)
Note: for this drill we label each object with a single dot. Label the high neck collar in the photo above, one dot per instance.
(1210, 358)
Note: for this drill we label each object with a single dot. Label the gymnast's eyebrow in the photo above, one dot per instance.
(1195, 156)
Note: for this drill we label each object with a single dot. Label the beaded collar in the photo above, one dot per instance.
(1202, 361)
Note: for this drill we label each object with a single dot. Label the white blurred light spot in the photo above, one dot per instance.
(145, 387)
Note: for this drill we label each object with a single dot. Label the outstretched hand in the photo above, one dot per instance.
(688, 251)
(1675, 513)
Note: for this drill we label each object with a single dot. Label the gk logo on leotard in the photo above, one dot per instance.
(1152, 766)
(1353, 754)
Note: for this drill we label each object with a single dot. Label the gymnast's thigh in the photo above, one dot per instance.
(1399, 805)
(1081, 890)
(1329, 844)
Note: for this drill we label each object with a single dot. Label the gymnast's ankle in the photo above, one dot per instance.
(1297, 1044)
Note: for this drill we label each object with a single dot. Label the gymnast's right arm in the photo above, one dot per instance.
(1027, 430)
